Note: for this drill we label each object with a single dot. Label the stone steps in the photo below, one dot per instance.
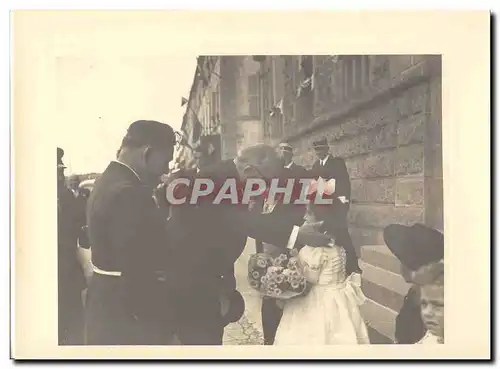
(385, 289)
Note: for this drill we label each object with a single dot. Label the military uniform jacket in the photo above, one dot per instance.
(289, 214)
(215, 234)
(128, 234)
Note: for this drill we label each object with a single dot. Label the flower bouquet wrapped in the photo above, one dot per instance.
(277, 277)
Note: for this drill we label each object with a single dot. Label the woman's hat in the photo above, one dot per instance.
(322, 142)
(414, 246)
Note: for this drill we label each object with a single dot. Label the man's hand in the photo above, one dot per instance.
(310, 235)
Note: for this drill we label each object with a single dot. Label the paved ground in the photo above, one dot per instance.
(242, 332)
(247, 331)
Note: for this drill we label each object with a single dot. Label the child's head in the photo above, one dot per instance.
(430, 278)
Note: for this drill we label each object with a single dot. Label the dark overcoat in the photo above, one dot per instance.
(128, 235)
(335, 168)
(215, 235)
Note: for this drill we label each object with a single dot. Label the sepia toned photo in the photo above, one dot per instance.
(283, 199)
(372, 123)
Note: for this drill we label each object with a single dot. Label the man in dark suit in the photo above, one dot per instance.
(415, 247)
(71, 279)
(216, 236)
(130, 300)
(328, 167)
(270, 311)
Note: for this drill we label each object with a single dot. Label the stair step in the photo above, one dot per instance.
(385, 278)
(381, 256)
(385, 288)
(380, 318)
(382, 295)
(376, 338)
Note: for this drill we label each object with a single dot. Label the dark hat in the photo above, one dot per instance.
(414, 246)
(236, 308)
(286, 146)
(322, 142)
(60, 154)
(150, 133)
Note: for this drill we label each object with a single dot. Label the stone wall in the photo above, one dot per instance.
(390, 137)
(389, 132)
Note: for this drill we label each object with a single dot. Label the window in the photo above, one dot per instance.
(306, 65)
(214, 104)
(253, 96)
(355, 74)
(214, 110)
(196, 133)
(305, 102)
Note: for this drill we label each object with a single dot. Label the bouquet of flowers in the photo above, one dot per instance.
(279, 277)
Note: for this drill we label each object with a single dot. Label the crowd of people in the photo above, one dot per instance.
(164, 274)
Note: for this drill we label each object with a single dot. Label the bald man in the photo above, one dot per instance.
(217, 237)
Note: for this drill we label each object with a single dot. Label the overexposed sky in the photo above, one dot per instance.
(98, 97)
(105, 80)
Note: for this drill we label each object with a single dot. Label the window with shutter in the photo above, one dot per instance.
(253, 96)
(306, 64)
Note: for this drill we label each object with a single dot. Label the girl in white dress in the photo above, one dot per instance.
(329, 314)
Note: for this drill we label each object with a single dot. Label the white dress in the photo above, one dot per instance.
(429, 339)
(329, 314)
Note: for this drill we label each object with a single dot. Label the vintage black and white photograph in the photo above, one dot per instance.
(371, 122)
(232, 199)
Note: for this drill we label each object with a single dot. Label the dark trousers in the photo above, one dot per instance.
(70, 317)
(271, 316)
(109, 322)
(200, 320)
(199, 332)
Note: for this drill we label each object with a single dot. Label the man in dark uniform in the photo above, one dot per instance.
(415, 247)
(130, 300)
(328, 167)
(270, 311)
(217, 237)
(71, 279)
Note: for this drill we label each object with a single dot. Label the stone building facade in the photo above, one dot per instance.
(202, 116)
(381, 113)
